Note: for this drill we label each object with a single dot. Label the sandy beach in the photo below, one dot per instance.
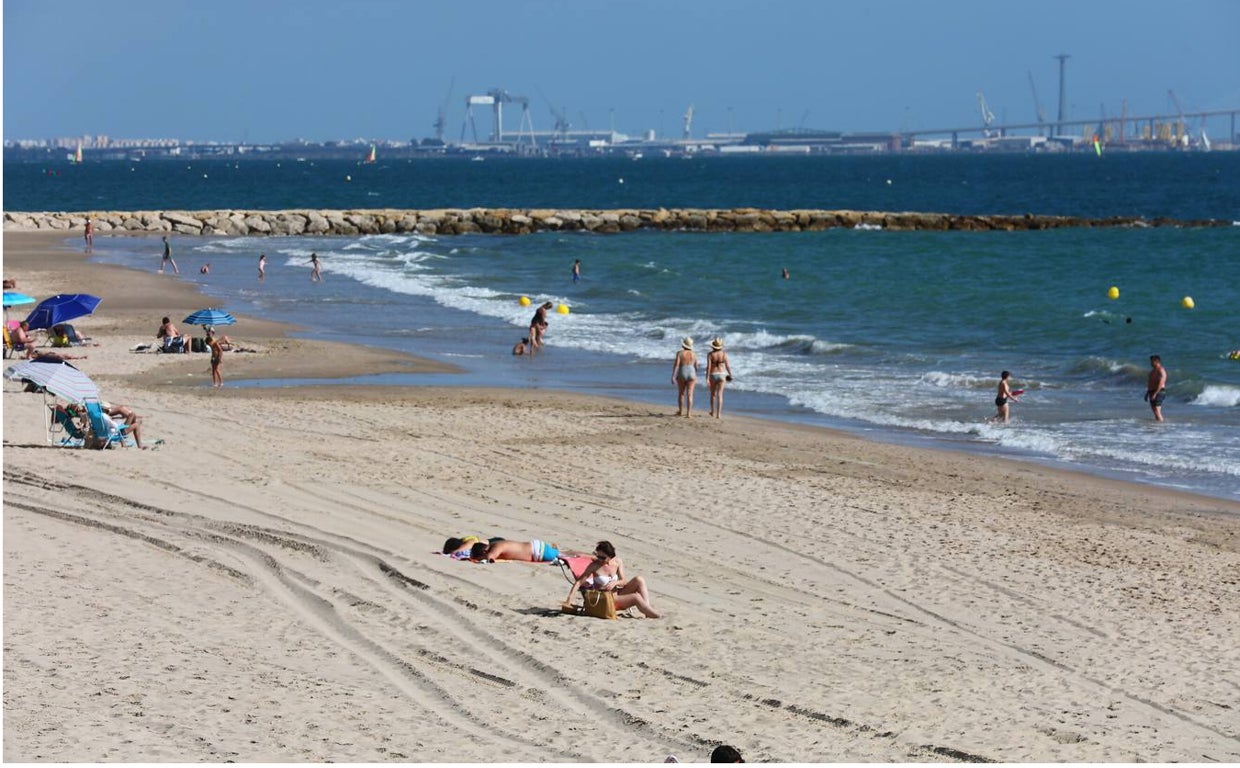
(263, 584)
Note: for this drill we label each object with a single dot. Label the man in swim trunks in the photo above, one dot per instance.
(535, 551)
(1156, 387)
(1002, 397)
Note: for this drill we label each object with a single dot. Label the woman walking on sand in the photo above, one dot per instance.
(718, 371)
(684, 376)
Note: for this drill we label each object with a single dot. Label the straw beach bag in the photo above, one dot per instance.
(600, 605)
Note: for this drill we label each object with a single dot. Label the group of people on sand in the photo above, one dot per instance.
(175, 341)
(61, 335)
(604, 573)
(1155, 392)
(684, 376)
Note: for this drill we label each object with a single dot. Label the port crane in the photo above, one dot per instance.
(562, 125)
(1037, 103)
(988, 117)
(496, 98)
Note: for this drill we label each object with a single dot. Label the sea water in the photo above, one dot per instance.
(896, 335)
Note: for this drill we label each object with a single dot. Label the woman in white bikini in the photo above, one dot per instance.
(684, 376)
(606, 573)
(718, 371)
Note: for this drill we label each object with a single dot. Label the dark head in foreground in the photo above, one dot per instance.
(726, 754)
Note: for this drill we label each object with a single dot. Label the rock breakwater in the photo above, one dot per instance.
(523, 221)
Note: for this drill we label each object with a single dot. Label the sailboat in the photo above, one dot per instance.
(370, 158)
(76, 157)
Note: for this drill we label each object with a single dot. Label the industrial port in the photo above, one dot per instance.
(509, 128)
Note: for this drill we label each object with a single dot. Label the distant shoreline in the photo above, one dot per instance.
(518, 221)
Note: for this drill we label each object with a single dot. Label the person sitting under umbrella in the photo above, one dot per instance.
(22, 341)
(174, 341)
(65, 335)
(125, 419)
(120, 418)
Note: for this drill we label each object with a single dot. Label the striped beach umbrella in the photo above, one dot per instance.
(58, 378)
(210, 316)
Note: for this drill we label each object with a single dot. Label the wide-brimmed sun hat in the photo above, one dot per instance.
(716, 343)
(686, 343)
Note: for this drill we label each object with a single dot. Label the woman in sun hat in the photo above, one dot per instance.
(718, 371)
(684, 376)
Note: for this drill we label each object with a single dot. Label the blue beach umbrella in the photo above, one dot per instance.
(62, 308)
(13, 299)
(210, 316)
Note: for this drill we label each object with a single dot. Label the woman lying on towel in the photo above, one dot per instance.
(535, 551)
(459, 548)
(606, 573)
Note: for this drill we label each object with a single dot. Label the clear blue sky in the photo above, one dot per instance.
(274, 70)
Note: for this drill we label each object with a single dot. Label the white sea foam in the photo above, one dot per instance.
(1218, 395)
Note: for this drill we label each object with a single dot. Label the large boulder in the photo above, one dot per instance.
(182, 221)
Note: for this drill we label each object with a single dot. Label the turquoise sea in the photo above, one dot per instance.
(899, 336)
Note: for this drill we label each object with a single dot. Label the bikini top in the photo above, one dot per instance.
(603, 579)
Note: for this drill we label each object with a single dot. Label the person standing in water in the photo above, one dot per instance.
(1002, 397)
(316, 275)
(684, 376)
(262, 266)
(577, 271)
(538, 325)
(167, 259)
(1156, 387)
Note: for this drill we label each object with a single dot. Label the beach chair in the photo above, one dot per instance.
(572, 566)
(8, 343)
(75, 338)
(103, 432)
(63, 429)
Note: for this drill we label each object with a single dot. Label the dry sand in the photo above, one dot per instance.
(262, 585)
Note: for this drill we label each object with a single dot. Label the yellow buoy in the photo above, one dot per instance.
(1187, 302)
(562, 309)
(1113, 293)
(525, 301)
